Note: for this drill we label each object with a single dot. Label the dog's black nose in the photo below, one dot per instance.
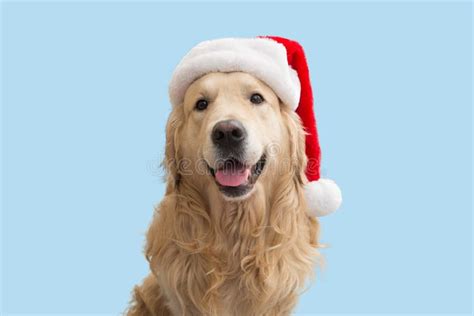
(228, 134)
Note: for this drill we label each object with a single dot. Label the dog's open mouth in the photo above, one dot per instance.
(235, 178)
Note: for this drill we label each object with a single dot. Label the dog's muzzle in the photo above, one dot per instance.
(232, 174)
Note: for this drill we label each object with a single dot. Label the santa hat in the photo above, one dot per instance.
(281, 64)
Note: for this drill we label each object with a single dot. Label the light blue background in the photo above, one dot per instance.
(84, 104)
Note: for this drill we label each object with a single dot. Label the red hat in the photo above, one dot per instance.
(281, 64)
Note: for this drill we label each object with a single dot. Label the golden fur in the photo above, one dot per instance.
(210, 255)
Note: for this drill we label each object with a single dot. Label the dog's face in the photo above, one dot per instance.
(232, 130)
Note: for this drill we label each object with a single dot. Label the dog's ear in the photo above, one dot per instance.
(172, 157)
(297, 144)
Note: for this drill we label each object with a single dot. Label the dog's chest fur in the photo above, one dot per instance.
(243, 286)
(241, 266)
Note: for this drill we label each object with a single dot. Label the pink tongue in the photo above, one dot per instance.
(232, 177)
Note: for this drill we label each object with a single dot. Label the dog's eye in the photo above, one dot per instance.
(256, 98)
(201, 105)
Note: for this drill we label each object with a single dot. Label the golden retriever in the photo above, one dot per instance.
(232, 235)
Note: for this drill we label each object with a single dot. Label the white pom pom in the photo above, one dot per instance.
(322, 197)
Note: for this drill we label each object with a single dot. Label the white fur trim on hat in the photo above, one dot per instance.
(263, 58)
(322, 197)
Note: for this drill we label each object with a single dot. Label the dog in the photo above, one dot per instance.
(236, 232)
(217, 249)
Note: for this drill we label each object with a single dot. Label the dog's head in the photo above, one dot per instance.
(232, 132)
